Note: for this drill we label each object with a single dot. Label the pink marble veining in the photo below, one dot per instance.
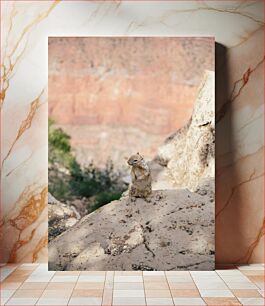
(238, 28)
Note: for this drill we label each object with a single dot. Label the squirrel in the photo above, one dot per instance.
(141, 185)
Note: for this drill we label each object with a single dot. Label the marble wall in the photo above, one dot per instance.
(238, 28)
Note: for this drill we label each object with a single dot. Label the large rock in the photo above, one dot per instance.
(173, 230)
(189, 153)
(61, 217)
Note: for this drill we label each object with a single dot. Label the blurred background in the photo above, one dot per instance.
(118, 95)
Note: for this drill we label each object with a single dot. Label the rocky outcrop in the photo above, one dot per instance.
(188, 155)
(80, 205)
(61, 217)
(172, 230)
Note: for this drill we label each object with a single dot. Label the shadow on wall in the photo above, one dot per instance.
(224, 157)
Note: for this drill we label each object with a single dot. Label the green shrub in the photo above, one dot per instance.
(68, 180)
(92, 180)
(59, 147)
(106, 197)
(59, 188)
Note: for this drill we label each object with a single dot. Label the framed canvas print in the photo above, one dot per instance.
(131, 153)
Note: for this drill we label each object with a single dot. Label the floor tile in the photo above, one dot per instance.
(188, 301)
(28, 266)
(211, 285)
(21, 272)
(56, 294)
(107, 298)
(31, 293)
(182, 286)
(241, 285)
(251, 301)
(128, 279)
(22, 301)
(155, 278)
(30, 284)
(261, 292)
(6, 271)
(33, 286)
(128, 273)
(110, 274)
(215, 277)
(182, 293)
(260, 285)
(246, 293)
(153, 273)
(53, 301)
(218, 301)
(157, 293)
(39, 279)
(64, 279)
(251, 267)
(44, 266)
(91, 278)
(108, 285)
(159, 301)
(12, 278)
(179, 279)
(87, 293)
(216, 293)
(123, 301)
(202, 273)
(10, 286)
(256, 278)
(253, 272)
(156, 285)
(128, 293)
(89, 285)
(129, 286)
(41, 270)
(85, 301)
(109, 280)
(235, 278)
(60, 286)
(224, 266)
(95, 272)
(3, 300)
(7, 293)
(177, 273)
(68, 273)
(232, 272)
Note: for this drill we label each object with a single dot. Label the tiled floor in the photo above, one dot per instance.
(33, 284)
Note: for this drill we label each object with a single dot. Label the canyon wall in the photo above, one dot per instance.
(115, 94)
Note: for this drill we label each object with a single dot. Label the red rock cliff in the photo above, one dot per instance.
(148, 84)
